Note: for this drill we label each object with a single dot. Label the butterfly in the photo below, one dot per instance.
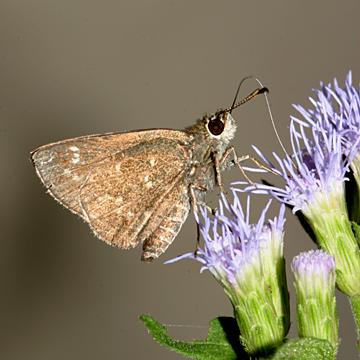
(138, 187)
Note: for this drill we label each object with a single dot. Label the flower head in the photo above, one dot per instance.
(314, 269)
(314, 272)
(324, 143)
(316, 169)
(232, 244)
(247, 260)
(336, 107)
(315, 174)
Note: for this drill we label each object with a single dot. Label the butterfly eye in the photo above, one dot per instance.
(216, 126)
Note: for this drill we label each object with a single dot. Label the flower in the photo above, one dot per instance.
(316, 169)
(247, 260)
(338, 108)
(314, 273)
(314, 178)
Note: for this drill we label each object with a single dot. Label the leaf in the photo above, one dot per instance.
(305, 349)
(222, 341)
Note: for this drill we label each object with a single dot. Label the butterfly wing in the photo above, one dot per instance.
(118, 182)
(166, 222)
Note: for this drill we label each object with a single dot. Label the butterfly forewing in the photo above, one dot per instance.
(113, 181)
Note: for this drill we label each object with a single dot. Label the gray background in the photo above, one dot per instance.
(70, 68)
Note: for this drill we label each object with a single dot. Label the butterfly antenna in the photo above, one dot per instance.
(247, 98)
(261, 90)
(237, 92)
(272, 121)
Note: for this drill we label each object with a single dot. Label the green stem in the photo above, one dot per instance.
(355, 304)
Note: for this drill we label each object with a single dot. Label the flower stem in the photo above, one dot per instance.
(355, 304)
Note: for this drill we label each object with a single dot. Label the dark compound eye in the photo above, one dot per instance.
(216, 126)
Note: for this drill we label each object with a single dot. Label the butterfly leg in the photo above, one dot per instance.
(196, 203)
(216, 160)
(219, 163)
(231, 152)
(194, 199)
(239, 159)
(258, 163)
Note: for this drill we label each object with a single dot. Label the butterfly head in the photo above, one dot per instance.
(221, 126)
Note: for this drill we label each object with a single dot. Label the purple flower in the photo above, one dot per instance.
(316, 168)
(324, 144)
(314, 266)
(314, 176)
(247, 260)
(336, 108)
(314, 272)
(232, 244)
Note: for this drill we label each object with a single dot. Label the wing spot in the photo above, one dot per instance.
(148, 183)
(118, 200)
(74, 149)
(45, 162)
(76, 158)
(152, 162)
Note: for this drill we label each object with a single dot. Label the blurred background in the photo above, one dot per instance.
(71, 68)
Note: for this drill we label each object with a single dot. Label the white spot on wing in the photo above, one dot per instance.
(118, 200)
(148, 183)
(50, 159)
(152, 162)
(74, 149)
(76, 158)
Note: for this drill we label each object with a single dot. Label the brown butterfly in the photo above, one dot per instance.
(138, 187)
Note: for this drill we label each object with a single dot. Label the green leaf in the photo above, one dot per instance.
(305, 349)
(222, 341)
